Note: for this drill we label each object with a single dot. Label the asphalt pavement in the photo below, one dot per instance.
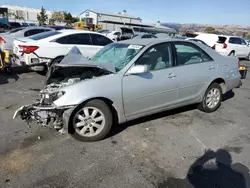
(156, 151)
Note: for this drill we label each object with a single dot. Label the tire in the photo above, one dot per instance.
(103, 119)
(212, 106)
(232, 53)
(248, 57)
(56, 61)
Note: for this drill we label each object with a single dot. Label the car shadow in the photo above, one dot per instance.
(14, 75)
(118, 128)
(228, 95)
(204, 173)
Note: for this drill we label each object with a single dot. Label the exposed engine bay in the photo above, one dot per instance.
(43, 110)
(74, 68)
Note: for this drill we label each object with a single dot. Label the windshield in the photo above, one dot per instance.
(44, 35)
(118, 54)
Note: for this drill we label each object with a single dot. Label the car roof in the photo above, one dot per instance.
(228, 36)
(76, 31)
(145, 42)
(35, 27)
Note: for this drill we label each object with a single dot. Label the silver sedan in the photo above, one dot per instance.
(128, 80)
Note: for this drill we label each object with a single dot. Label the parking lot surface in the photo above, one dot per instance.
(155, 151)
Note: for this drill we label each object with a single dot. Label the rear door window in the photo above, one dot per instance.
(235, 40)
(100, 40)
(79, 39)
(187, 53)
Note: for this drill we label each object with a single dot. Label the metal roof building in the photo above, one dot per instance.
(110, 21)
(24, 14)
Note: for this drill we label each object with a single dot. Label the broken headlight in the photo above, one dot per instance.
(49, 98)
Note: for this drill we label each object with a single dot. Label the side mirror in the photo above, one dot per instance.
(137, 69)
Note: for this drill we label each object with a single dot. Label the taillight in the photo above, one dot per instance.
(27, 49)
(224, 45)
(239, 64)
(2, 40)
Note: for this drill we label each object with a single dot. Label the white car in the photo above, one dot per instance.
(45, 49)
(232, 45)
(197, 40)
(209, 39)
(6, 39)
(113, 35)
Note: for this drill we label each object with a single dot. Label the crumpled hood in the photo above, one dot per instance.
(75, 59)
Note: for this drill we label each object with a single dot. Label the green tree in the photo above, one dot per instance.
(68, 18)
(210, 30)
(75, 19)
(42, 17)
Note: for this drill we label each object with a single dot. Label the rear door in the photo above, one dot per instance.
(194, 69)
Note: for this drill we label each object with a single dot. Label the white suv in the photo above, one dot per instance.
(232, 45)
(42, 50)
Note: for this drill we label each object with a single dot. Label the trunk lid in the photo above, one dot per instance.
(221, 43)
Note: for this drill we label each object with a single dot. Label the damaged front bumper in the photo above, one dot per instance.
(46, 115)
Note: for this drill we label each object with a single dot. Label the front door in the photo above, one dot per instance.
(155, 89)
(194, 69)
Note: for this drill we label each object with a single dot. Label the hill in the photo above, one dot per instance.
(238, 30)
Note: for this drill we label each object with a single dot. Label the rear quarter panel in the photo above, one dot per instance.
(227, 68)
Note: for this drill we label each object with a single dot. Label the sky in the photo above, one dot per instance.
(151, 11)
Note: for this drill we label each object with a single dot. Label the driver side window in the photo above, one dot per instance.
(157, 57)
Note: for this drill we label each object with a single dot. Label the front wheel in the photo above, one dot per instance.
(92, 121)
(232, 53)
(56, 61)
(248, 57)
(212, 98)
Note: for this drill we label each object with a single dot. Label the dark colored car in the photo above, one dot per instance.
(15, 25)
(4, 27)
(57, 27)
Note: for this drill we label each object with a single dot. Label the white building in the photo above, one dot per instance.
(28, 15)
(110, 21)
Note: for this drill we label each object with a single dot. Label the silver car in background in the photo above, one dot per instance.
(6, 39)
(128, 80)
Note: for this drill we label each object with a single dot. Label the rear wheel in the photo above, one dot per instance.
(92, 121)
(212, 98)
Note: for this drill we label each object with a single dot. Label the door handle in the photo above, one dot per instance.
(211, 68)
(171, 75)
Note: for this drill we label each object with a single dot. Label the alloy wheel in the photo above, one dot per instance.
(89, 121)
(213, 98)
